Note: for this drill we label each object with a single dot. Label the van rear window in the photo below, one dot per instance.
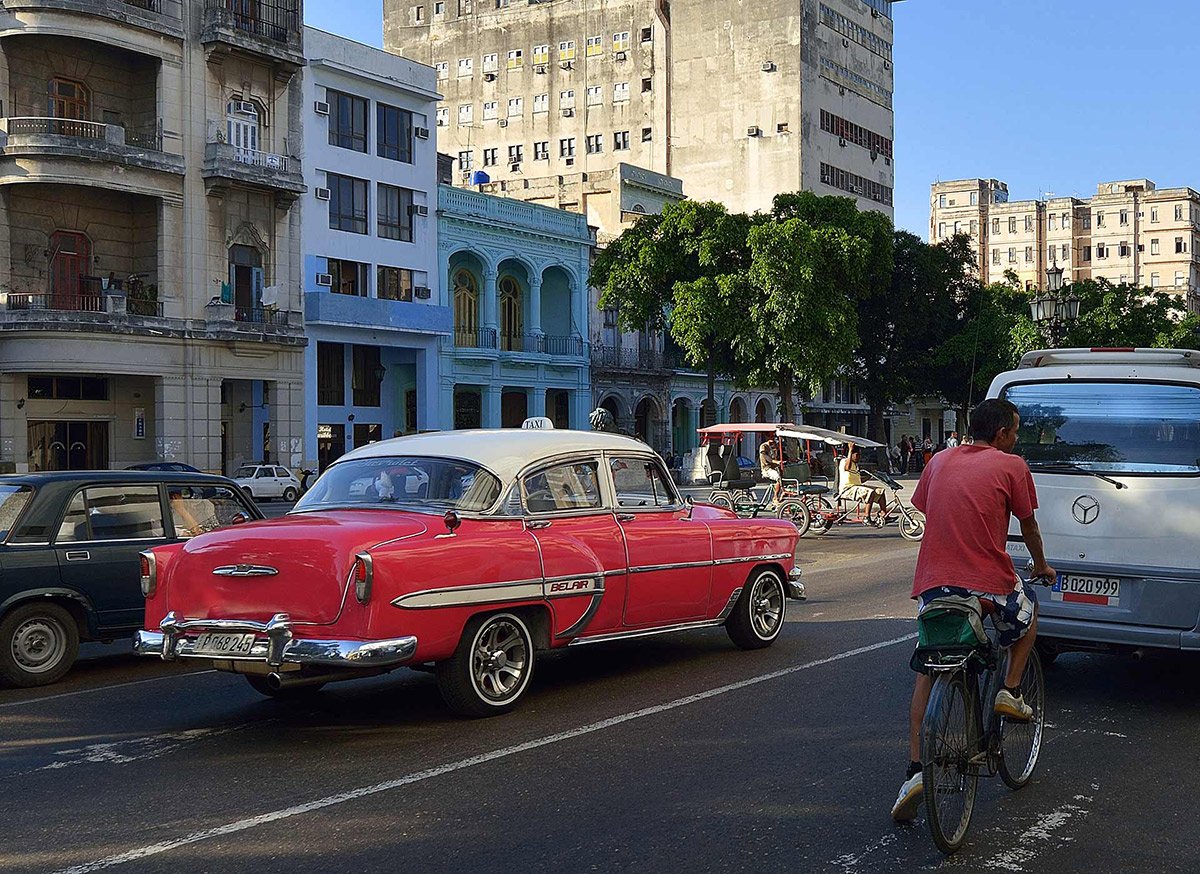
(1115, 427)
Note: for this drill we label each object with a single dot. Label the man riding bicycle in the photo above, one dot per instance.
(967, 497)
(771, 465)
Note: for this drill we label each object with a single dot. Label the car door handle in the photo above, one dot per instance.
(625, 517)
(537, 524)
(79, 555)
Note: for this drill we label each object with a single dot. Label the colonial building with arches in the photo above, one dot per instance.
(514, 275)
(149, 234)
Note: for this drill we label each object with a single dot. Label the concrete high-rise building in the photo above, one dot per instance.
(149, 239)
(1129, 231)
(739, 101)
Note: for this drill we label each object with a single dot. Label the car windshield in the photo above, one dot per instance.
(12, 501)
(1111, 427)
(245, 472)
(438, 483)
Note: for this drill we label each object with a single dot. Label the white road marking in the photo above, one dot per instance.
(449, 768)
(102, 689)
(1033, 840)
(849, 862)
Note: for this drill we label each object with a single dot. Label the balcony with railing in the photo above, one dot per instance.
(85, 308)
(225, 164)
(258, 27)
(492, 211)
(233, 322)
(47, 137)
(160, 16)
(632, 359)
(542, 344)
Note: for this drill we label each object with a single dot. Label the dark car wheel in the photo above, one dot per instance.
(289, 495)
(38, 644)
(491, 669)
(757, 617)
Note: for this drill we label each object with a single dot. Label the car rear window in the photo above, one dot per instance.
(245, 472)
(436, 483)
(1113, 427)
(124, 512)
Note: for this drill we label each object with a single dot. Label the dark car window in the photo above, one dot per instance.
(264, 472)
(122, 512)
(574, 486)
(281, 472)
(640, 482)
(197, 509)
(13, 499)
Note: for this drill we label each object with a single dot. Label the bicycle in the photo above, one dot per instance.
(739, 496)
(956, 747)
(828, 512)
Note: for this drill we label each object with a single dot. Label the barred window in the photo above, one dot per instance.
(858, 33)
(835, 177)
(854, 133)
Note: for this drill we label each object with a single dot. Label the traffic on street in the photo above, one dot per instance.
(670, 753)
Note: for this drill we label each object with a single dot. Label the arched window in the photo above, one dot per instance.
(466, 309)
(512, 316)
(242, 120)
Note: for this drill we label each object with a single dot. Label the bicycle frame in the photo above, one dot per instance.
(986, 673)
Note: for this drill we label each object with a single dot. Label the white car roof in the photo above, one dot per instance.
(1119, 357)
(505, 452)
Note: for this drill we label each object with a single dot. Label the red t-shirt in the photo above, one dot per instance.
(967, 495)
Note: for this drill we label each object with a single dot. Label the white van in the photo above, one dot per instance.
(1113, 439)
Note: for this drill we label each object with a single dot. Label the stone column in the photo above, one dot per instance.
(491, 405)
(172, 287)
(287, 423)
(535, 306)
(204, 443)
(171, 424)
(581, 406)
(579, 310)
(488, 316)
(14, 427)
(537, 401)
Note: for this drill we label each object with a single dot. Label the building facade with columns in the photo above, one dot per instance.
(148, 181)
(514, 275)
(373, 317)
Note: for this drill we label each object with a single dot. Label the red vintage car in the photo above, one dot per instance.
(468, 552)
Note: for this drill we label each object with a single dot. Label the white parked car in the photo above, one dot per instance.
(265, 482)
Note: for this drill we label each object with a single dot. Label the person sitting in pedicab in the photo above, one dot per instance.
(851, 488)
(770, 464)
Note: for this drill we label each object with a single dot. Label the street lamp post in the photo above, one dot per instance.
(1054, 312)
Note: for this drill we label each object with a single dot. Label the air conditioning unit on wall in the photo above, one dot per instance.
(325, 280)
(320, 107)
(422, 292)
(321, 193)
(421, 133)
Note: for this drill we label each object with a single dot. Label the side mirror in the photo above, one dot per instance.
(239, 519)
(452, 521)
(691, 504)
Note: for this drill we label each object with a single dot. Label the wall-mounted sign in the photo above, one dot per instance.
(139, 424)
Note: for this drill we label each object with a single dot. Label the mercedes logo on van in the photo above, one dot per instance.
(1086, 509)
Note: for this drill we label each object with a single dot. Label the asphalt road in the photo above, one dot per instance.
(676, 753)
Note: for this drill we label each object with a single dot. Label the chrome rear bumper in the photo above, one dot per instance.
(279, 647)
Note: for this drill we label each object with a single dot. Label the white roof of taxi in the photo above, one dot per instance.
(505, 451)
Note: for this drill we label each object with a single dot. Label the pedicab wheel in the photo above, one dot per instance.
(1020, 742)
(743, 504)
(912, 525)
(950, 781)
(720, 499)
(797, 513)
(757, 617)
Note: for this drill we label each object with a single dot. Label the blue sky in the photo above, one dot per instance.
(1053, 95)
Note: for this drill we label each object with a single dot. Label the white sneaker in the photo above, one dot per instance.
(909, 799)
(1012, 707)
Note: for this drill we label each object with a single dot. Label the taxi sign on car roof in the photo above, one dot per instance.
(538, 423)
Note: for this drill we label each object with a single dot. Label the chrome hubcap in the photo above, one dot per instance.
(766, 606)
(38, 644)
(500, 660)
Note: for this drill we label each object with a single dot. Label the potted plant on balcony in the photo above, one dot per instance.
(142, 299)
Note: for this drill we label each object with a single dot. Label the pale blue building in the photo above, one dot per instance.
(514, 275)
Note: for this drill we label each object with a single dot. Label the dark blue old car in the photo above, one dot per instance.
(69, 555)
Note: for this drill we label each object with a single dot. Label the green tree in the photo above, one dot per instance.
(666, 272)
(1116, 315)
(800, 323)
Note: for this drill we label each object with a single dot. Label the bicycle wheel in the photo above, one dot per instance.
(744, 503)
(912, 525)
(796, 512)
(820, 509)
(720, 498)
(1020, 742)
(948, 743)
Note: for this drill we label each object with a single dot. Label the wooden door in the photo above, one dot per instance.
(71, 254)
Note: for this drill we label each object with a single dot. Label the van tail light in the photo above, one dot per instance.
(149, 574)
(364, 576)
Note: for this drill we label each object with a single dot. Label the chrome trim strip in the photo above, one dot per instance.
(646, 632)
(676, 565)
(245, 570)
(585, 620)
(733, 597)
(523, 590)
